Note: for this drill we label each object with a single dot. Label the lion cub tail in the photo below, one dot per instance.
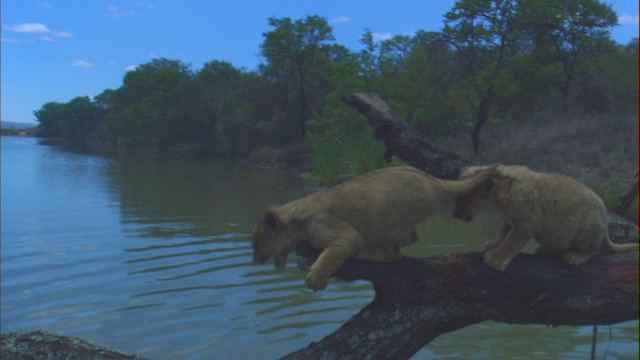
(610, 246)
(463, 187)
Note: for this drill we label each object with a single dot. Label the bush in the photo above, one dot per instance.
(338, 158)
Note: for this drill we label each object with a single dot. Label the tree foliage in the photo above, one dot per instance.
(485, 36)
(299, 58)
(77, 119)
(494, 60)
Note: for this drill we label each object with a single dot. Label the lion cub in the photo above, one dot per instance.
(561, 214)
(370, 217)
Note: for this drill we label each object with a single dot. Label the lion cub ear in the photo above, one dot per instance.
(271, 220)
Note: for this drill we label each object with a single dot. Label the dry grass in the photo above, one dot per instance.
(594, 150)
(601, 152)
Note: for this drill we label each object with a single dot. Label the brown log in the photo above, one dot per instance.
(419, 299)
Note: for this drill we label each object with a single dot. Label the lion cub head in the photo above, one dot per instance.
(481, 198)
(270, 240)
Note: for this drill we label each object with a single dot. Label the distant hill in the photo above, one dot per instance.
(16, 125)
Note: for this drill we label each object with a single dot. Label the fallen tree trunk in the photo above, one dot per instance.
(419, 299)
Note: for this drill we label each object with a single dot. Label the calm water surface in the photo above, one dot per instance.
(153, 257)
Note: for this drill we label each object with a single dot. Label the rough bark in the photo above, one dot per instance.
(419, 299)
(45, 345)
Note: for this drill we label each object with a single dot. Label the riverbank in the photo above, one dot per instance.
(600, 151)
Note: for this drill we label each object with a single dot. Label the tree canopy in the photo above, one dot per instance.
(493, 60)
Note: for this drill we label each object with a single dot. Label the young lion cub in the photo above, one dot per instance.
(564, 216)
(370, 217)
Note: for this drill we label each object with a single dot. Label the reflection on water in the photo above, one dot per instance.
(153, 257)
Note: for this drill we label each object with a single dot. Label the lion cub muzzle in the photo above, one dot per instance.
(280, 262)
(261, 258)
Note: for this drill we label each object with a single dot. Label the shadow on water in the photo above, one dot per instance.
(153, 256)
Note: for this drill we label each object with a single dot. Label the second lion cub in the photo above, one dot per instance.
(561, 214)
(370, 217)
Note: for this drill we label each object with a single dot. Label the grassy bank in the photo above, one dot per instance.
(338, 158)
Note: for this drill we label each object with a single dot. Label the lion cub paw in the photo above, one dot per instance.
(490, 245)
(575, 258)
(494, 262)
(316, 281)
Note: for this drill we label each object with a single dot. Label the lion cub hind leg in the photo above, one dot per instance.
(585, 246)
(347, 244)
(576, 258)
(401, 237)
(491, 245)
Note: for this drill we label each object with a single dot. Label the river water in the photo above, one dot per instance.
(153, 256)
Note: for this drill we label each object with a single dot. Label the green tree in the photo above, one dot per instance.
(77, 119)
(336, 118)
(217, 82)
(566, 33)
(232, 104)
(425, 91)
(298, 55)
(369, 59)
(485, 36)
(607, 81)
(152, 107)
(53, 118)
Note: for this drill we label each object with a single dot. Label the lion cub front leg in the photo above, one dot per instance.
(490, 245)
(500, 257)
(344, 247)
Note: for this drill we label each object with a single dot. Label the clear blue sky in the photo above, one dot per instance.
(55, 50)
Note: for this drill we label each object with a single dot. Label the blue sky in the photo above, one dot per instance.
(55, 50)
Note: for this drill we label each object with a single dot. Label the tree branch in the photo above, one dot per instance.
(628, 197)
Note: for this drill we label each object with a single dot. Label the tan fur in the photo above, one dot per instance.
(561, 214)
(370, 217)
